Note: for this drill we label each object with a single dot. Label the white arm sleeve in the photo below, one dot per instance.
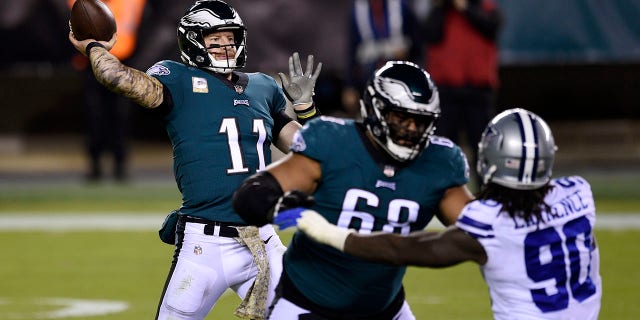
(320, 230)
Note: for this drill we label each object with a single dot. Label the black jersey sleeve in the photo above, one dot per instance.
(280, 119)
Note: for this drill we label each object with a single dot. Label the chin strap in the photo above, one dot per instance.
(221, 66)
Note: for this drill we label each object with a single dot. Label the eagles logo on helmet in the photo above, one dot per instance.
(397, 91)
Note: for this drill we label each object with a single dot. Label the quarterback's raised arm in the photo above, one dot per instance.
(298, 87)
(110, 72)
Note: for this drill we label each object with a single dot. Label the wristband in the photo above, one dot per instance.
(93, 44)
(307, 114)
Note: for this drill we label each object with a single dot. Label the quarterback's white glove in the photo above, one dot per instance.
(320, 230)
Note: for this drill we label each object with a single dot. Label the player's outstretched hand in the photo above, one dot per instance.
(320, 230)
(298, 87)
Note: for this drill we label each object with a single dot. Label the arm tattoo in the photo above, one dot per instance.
(129, 82)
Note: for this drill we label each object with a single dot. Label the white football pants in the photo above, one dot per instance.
(208, 265)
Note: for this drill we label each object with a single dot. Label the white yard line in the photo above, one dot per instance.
(64, 308)
(80, 222)
(123, 221)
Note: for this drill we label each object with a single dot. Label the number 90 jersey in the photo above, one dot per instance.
(357, 192)
(548, 270)
(220, 134)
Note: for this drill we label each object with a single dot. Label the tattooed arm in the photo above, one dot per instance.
(110, 72)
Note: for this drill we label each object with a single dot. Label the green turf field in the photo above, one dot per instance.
(130, 266)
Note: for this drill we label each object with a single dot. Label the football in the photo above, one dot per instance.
(92, 19)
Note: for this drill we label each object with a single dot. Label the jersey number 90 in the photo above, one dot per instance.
(547, 245)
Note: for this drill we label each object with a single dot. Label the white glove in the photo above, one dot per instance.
(320, 230)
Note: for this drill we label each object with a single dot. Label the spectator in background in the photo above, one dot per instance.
(108, 117)
(40, 22)
(462, 58)
(380, 30)
(157, 34)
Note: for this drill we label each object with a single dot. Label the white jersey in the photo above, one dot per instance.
(545, 271)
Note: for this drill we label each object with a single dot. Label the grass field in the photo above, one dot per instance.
(130, 266)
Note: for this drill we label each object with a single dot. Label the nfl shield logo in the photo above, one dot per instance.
(389, 171)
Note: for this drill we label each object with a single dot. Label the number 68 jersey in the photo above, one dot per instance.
(545, 270)
(358, 192)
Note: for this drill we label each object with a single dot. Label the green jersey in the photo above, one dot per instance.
(357, 191)
(220, 133)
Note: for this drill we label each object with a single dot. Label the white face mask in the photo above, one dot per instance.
(224, 66)
(401, 153)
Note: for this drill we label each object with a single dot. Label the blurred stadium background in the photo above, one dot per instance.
(574, 62)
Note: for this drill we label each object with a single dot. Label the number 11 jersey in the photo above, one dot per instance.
(221, 133)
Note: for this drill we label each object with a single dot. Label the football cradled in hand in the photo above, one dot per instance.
(92, 19)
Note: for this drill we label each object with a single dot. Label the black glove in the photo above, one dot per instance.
(290, 200)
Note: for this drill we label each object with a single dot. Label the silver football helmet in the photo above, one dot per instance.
(204, 17)
(397, 91)
(516, 150)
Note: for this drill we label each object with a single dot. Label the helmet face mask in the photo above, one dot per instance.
(517, 150)
(206, 17)
(399, 107)
(407, 129)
